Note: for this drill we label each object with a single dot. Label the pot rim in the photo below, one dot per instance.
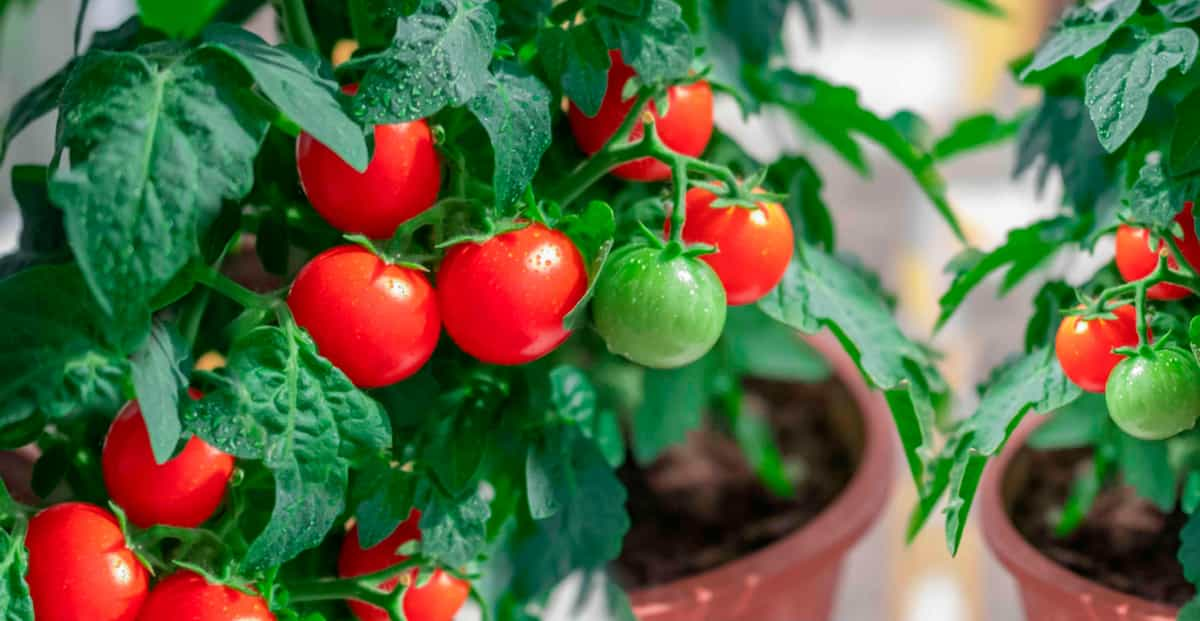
(825, 537)
(1026, 563)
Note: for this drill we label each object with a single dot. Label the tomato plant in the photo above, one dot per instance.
(284, 239)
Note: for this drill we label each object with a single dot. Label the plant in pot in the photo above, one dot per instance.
(1094, 513)
(462, 298)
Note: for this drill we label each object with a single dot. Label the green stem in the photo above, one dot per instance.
(1177, 253)
(679, 177)
(296, 26)
(1139, 305)
(362, 588)
(208, 276)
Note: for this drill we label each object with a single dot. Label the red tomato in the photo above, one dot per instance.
(185, 491)
(1084, 347)
(503, 301)
(376, 322)
(754, 246)
(686, 127)
(439, 600)
(187, 596)
(1135, 260)
(80, 566)
(401, 181)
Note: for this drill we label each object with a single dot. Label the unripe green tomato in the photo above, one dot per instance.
(1155, 396)
(658, 310)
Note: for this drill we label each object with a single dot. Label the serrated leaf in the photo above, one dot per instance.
(154, 151)
(1034, 382)
(577, 59)
(42, 238)
(657, 43)
(754, 28)
(297, 81)
(817, 292)
(673, 405)
(1077, 425)
(977, 132)
(388, 503)
(281, 403)
(15, 601)
(761, 347)
(1180, 11)
(159, 379)
(181, 20)
(1184, 151)
(453, 531)
(1022, 252)
(1061, 136)
(587, 531)
(1119, 87)
(514, 108)
(439, 58)
(1080, 31)
(58, 348)
(811, 220)
(987, 7)
(1152, 199)
(1146, 467)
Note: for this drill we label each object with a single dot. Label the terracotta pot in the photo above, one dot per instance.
(795, 578)
(1049, 591)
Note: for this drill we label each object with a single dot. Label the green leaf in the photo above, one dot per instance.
(1080, 31)
(572, 397)
(1189, 498)
(1079, 424)
(438, 58)
(810, 216)
(154, 151)
(818, 291)
(514, 108)
(181, 20)
(1032, 382)
(1189, 548)
(42, 238)
(279, 402)
(1190, 611)
(1183, 155)
(15, 601)
(388, 503)
(159, 378)
(761, 347)
(1022, 252)
(1061, 136)
(754, 28)
(544, 468)
(657, 43)
(1152, 199)
(1048, 303)
(1180, 11)
(835, 115)
(59, 349)
(753, 432)
(576, 60)
(1146, 467)
(976, 132)
(673, 405)
(587, 530)
(1119, 87)
(296, 80)
(453, 531)
(1084, 490)
(458, 446)
(987, 7)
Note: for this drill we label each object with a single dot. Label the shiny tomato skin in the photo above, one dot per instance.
(401, 181)
(1135, 260)
(1155, 396)
(187, 596)
(80, 566)
(185, 491)
(686, 128)
(378, 323)
(754, 246)
(503, 301)
(1084, 346)
(439, 600)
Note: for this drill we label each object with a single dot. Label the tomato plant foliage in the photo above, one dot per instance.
(158, 245)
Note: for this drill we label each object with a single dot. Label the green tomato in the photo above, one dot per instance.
(1155, 396)
(658, 308)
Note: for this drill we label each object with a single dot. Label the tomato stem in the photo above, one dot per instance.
(679, 177)
(208, 276)
(1177, 253)
(296, 26)
(1140, 306)
(362, 588)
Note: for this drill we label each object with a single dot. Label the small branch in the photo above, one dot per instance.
(679, 178)
(211, 278)
(1177, 253)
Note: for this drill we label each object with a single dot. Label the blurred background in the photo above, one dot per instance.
(919, 55)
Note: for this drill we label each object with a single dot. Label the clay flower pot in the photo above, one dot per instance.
(1049, 591)
(795, 578)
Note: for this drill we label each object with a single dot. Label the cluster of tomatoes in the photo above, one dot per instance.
(504, 300)
(1154, 394)
(81, 566)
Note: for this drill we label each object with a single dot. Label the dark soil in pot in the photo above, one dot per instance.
(701, 505)
(1125, 543)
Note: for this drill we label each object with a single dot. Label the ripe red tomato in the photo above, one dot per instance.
(503, 301)
(401, 181)
(1135, 260)
(185, 491)
(187, 596)
(439, 600)
(80, 566)
(754, 246)
(376, 322)
(1084, 347)
(685, 128)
